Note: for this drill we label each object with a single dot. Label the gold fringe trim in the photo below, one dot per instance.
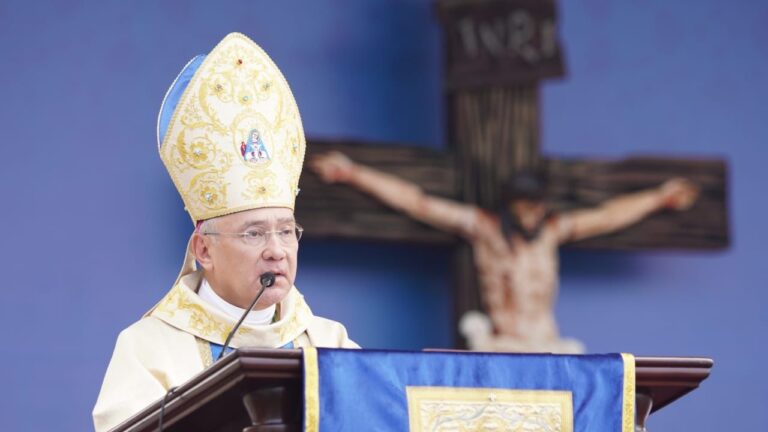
(311, 391)
(628, 405)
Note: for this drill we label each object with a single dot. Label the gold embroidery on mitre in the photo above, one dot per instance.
(294, 155)
(262, 186)
(198, 152)
(438, 409)
(236, 133)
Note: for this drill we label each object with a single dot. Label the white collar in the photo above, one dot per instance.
(254, 318)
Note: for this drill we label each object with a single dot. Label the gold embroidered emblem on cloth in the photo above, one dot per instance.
(442, 409)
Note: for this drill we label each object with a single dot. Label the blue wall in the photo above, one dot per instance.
(94, 231)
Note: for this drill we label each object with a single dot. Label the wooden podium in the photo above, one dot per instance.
(256, 390)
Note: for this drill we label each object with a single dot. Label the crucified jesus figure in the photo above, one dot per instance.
(515, 248)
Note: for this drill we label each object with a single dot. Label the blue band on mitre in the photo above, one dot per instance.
(174, 94)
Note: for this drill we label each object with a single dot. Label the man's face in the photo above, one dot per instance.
(529, 213)
(235, 266)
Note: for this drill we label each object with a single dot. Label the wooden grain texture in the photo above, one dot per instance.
(495, 133)
(586, 183)
(339, 211)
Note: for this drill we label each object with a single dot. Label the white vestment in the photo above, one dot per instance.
(171, 344)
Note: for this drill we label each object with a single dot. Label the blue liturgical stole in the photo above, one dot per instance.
(368, 390)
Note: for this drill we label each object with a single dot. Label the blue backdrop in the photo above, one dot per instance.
(94, 232)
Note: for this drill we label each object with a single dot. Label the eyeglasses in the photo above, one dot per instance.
(287, 236)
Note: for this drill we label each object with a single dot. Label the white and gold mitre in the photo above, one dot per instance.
(230, 133)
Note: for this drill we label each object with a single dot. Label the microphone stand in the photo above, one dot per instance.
(267, 280)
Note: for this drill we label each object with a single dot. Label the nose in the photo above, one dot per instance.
(273, 249)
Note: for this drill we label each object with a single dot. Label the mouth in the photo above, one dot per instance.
(278, 274)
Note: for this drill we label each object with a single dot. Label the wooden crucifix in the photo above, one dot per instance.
(497, 52)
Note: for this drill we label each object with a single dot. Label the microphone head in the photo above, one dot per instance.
(267, 279)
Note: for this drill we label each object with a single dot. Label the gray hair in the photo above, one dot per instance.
(208, 226)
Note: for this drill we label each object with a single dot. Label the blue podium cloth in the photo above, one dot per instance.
(369, 390)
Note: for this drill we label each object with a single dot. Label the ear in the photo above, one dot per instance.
(201, 250)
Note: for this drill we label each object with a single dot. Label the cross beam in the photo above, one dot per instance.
(574, 183)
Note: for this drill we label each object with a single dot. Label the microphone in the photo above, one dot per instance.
(267, 280)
